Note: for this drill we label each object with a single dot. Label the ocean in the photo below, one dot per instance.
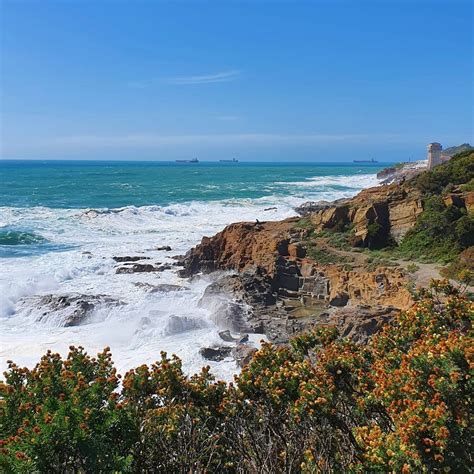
(61, 222)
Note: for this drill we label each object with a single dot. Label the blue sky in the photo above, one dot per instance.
(258, 80)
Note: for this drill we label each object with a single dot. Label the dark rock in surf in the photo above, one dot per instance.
(140, 268)
(215, 354)
(73, 310)
(130, 259)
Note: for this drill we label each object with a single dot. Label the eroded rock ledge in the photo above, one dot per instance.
(285, 292)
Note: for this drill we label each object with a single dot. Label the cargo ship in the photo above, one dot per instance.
(365, 161)
(233, 160)
(194, 160)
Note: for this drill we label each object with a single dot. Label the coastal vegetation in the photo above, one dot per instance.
(458, 170)
(443, 232)
(402, 403)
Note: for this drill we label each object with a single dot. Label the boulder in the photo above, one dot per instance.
(227, 336)
(69, 310)
(215, 354)
(310, 207)
(130, 259)
(179, 324)
(141, 268)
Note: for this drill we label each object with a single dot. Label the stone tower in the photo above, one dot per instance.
(434, 154)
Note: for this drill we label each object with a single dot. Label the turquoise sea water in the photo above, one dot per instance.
(83, 184)
(61, 224)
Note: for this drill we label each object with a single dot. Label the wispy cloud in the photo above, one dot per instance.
(224, 76)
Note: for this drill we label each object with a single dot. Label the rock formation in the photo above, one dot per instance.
(393, 209)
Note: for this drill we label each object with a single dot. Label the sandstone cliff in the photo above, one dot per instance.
(293, 276)
(376, 214)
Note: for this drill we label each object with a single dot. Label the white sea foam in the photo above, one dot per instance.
(148, 322)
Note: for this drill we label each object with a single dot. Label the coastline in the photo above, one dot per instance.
(136, 314)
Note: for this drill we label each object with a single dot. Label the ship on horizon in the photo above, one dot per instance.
(233, 160)
(194, 160)
(365, 161)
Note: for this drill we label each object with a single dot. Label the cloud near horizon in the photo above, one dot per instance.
(150, 140)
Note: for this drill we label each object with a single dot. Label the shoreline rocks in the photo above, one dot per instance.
(71, 310)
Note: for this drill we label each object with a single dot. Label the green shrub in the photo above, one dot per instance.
(440, 232)
(318, 405)
(465, 231)
(458, 170)
(462, 269)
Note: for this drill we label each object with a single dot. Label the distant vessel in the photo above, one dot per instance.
(365, 161)
(233, 160)
(194, 160)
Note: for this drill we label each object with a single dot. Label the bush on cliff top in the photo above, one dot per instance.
(458, 170)
(441, 232)
(321, 404)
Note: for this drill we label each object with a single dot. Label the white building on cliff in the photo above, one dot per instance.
(434, 154)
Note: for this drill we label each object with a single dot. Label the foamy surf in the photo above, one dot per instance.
(145, 322)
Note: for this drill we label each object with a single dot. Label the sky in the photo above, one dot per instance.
(256, 80)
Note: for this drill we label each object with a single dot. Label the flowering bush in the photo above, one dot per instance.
(320, 404)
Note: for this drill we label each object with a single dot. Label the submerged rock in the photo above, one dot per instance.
(179, 324)
(164, 287)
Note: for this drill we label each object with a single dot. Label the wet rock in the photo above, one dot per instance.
(225, 312)
(71, 310)
(215, 354)
(310, 207)
(227, 336)
(165, 248)
(244, 338)
(270, 209)
(179, 324)
(163, 288)
(139, 268)
(130, 259)
(242, 353)
(164, 267)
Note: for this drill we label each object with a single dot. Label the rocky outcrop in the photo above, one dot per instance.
(297, 295)
(215, 354)
(130, 259)
(142, 268)
(70, 310)
(375, 215)
(460, 199)
(361, 322)
(401, 172)
(240, 246)
(311, 207)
